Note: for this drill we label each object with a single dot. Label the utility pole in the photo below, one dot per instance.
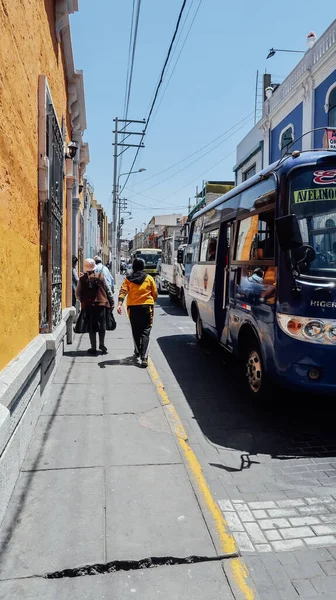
(189, 206)
(126, 133)
(115, 193)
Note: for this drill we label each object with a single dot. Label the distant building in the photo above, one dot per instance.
(155, 226)
(211, 191)
(305, 100)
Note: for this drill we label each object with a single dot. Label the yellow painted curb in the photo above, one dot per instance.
(236, 566)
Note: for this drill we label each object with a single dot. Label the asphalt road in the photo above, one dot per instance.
(263, 462)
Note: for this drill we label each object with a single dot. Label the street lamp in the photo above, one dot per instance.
(274, 50)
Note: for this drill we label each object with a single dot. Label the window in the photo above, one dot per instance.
(286, 137)
(255, 240)
(332, 109)
(258, 195)
(250, 172)
(209, 246)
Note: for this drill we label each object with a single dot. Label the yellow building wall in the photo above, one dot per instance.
(28, 48)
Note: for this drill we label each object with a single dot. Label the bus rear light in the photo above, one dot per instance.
(318, 331)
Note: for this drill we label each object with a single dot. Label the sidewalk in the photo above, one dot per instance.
(104, 482)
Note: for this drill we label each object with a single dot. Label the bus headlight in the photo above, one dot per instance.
(314, 329)
(318, 331)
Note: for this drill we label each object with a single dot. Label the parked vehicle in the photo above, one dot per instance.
(161, 283)
(150, 256)
(172, 270)
(260, 273)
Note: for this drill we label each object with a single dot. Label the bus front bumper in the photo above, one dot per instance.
(305, 366)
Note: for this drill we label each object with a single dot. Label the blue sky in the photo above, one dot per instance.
(211, 91)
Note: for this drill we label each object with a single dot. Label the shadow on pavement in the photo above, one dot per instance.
(129, 361)
(287, 426)
(169, 307)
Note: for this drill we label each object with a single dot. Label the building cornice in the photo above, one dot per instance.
(75, 80)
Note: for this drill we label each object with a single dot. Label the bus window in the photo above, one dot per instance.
(313, 201)
(258, 195)
(256, 238)
(209, 246)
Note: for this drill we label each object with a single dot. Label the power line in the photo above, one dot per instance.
(197, 151)
(130, 66)
(204, 172)
(158, 86)
(178, 58)
(133, 57)
(242, 121)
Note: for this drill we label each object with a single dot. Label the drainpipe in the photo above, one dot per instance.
(70, 182)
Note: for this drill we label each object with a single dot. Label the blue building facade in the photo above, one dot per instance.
(304, 101)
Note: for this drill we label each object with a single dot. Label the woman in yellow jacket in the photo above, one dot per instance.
(142, 293)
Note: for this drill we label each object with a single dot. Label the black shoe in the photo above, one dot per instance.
(144, 363)
(136, 354)
(103, 349)
(92, 351)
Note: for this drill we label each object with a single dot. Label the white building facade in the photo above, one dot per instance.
(306, 100)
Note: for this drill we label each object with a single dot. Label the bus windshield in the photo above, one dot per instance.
(150, 259)
(313, 201)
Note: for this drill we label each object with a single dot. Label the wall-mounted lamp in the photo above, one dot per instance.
(71, 150)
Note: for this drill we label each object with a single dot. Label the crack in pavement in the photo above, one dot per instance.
(135, 565)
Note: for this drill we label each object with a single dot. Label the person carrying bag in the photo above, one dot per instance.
(96, 307)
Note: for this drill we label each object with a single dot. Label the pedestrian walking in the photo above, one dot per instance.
(100, 268)
(141, 293)
(74, 279)
(96, 306)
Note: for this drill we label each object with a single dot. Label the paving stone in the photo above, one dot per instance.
(263, 547)
(233, 521)
(255, 533)
(273, 523)
(313, 510)
(301, 521)
(290, 503)
(260, 514)
(304, 588)
(282, 512)
(324, 529)
(282, 583)
(332, 552)
(296, 532)
(272, 535)
(288, 545)
(328, 518)
(244, 513)
(225, 505)
(320, 500)
(265, 505)
(323, 540)
(324, 585)
(287, 558)
(329, 567)
(307, 557)
(243, 541)
(304, 571)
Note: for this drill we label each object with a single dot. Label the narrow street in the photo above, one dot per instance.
(109, 503)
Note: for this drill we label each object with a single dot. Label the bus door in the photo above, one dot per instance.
(222, 281)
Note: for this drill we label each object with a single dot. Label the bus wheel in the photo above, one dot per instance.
(255, 376)
(200, 335)
(183, 302)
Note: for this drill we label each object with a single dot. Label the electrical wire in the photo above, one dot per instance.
(178, 58)
(157, 88)
(197, 151)
(130, 66)
(242, 121)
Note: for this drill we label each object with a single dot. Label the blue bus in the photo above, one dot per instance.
(260, 273)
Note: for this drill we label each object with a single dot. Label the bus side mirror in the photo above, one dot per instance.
(288, 232)
(180, 257)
